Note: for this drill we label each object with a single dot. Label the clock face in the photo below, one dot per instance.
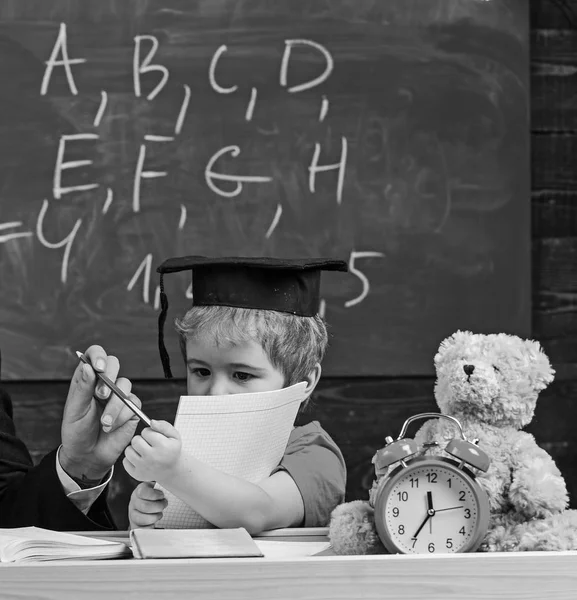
(430, 507)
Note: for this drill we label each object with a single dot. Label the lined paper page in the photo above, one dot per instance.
(241, 434)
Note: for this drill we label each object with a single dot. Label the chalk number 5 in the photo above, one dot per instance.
(353, 269)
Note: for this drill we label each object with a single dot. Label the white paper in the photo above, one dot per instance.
(240, 434)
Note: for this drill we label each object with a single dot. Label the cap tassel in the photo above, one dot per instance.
(161, 320)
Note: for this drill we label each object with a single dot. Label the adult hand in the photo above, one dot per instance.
(95, 432)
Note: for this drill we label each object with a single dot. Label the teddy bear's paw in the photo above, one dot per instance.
(500, 539)
(553, 534)
(352, 529)
(531, 511)
(539, 496)
(544, 512)
(509, 545)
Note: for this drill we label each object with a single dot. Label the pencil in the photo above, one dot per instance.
(116, 390)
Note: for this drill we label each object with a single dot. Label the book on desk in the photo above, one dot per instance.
(193, 543)
(30, 544)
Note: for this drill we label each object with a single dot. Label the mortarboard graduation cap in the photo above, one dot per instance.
(283, 285)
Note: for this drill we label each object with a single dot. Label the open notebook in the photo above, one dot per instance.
(241, 434)
(26, 544)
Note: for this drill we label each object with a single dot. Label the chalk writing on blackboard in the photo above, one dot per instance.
(6, 237)
(61, 165)
(144, 66)
(307, 85)
(211, 176)
(108, 201)
(65, 243)
(388, 134)
(220, 182)
(101, 108)
(212, 70)
(60, 48)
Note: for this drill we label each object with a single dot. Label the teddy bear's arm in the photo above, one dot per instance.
(428, 432)
(434, 431)
(537, 487)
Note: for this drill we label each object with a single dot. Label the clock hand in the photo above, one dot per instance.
(431, 510)
(430, 513)
(421, 526)
(450, 508)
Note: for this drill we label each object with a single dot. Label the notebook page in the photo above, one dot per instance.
(39, 535)
(37, 544)
(241, 434)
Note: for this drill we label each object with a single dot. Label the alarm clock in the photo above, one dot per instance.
(430, 503)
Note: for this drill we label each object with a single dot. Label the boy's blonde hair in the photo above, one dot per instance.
(293, 344)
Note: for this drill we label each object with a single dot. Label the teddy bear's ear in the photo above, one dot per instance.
(449, 343)
(542, 373)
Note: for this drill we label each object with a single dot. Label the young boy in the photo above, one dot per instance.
(254, 327)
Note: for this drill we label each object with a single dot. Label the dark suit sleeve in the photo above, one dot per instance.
(33, 495)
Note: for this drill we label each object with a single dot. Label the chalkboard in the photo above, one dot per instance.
(391, 133)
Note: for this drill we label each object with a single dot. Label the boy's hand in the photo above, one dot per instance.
(153, 455)
(146, 506)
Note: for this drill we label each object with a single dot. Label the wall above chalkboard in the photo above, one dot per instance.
(391, 133)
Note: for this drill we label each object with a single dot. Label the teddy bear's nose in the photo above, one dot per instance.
(469, 369)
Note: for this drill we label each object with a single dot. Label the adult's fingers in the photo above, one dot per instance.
(82, 386)
(97, 357)
(116, 413)
(126, 414)
(111, 370)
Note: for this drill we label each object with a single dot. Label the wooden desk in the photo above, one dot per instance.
(526, 575)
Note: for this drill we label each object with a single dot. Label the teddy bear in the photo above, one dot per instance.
(490, 383)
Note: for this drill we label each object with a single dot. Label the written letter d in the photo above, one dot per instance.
(307, 85)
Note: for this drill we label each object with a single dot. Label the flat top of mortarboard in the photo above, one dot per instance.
(281, 284)
(187, 263)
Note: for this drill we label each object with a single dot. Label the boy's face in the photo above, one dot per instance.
(229, 368)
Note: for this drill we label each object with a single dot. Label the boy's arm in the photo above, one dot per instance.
(227, 501)
(307, 485)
